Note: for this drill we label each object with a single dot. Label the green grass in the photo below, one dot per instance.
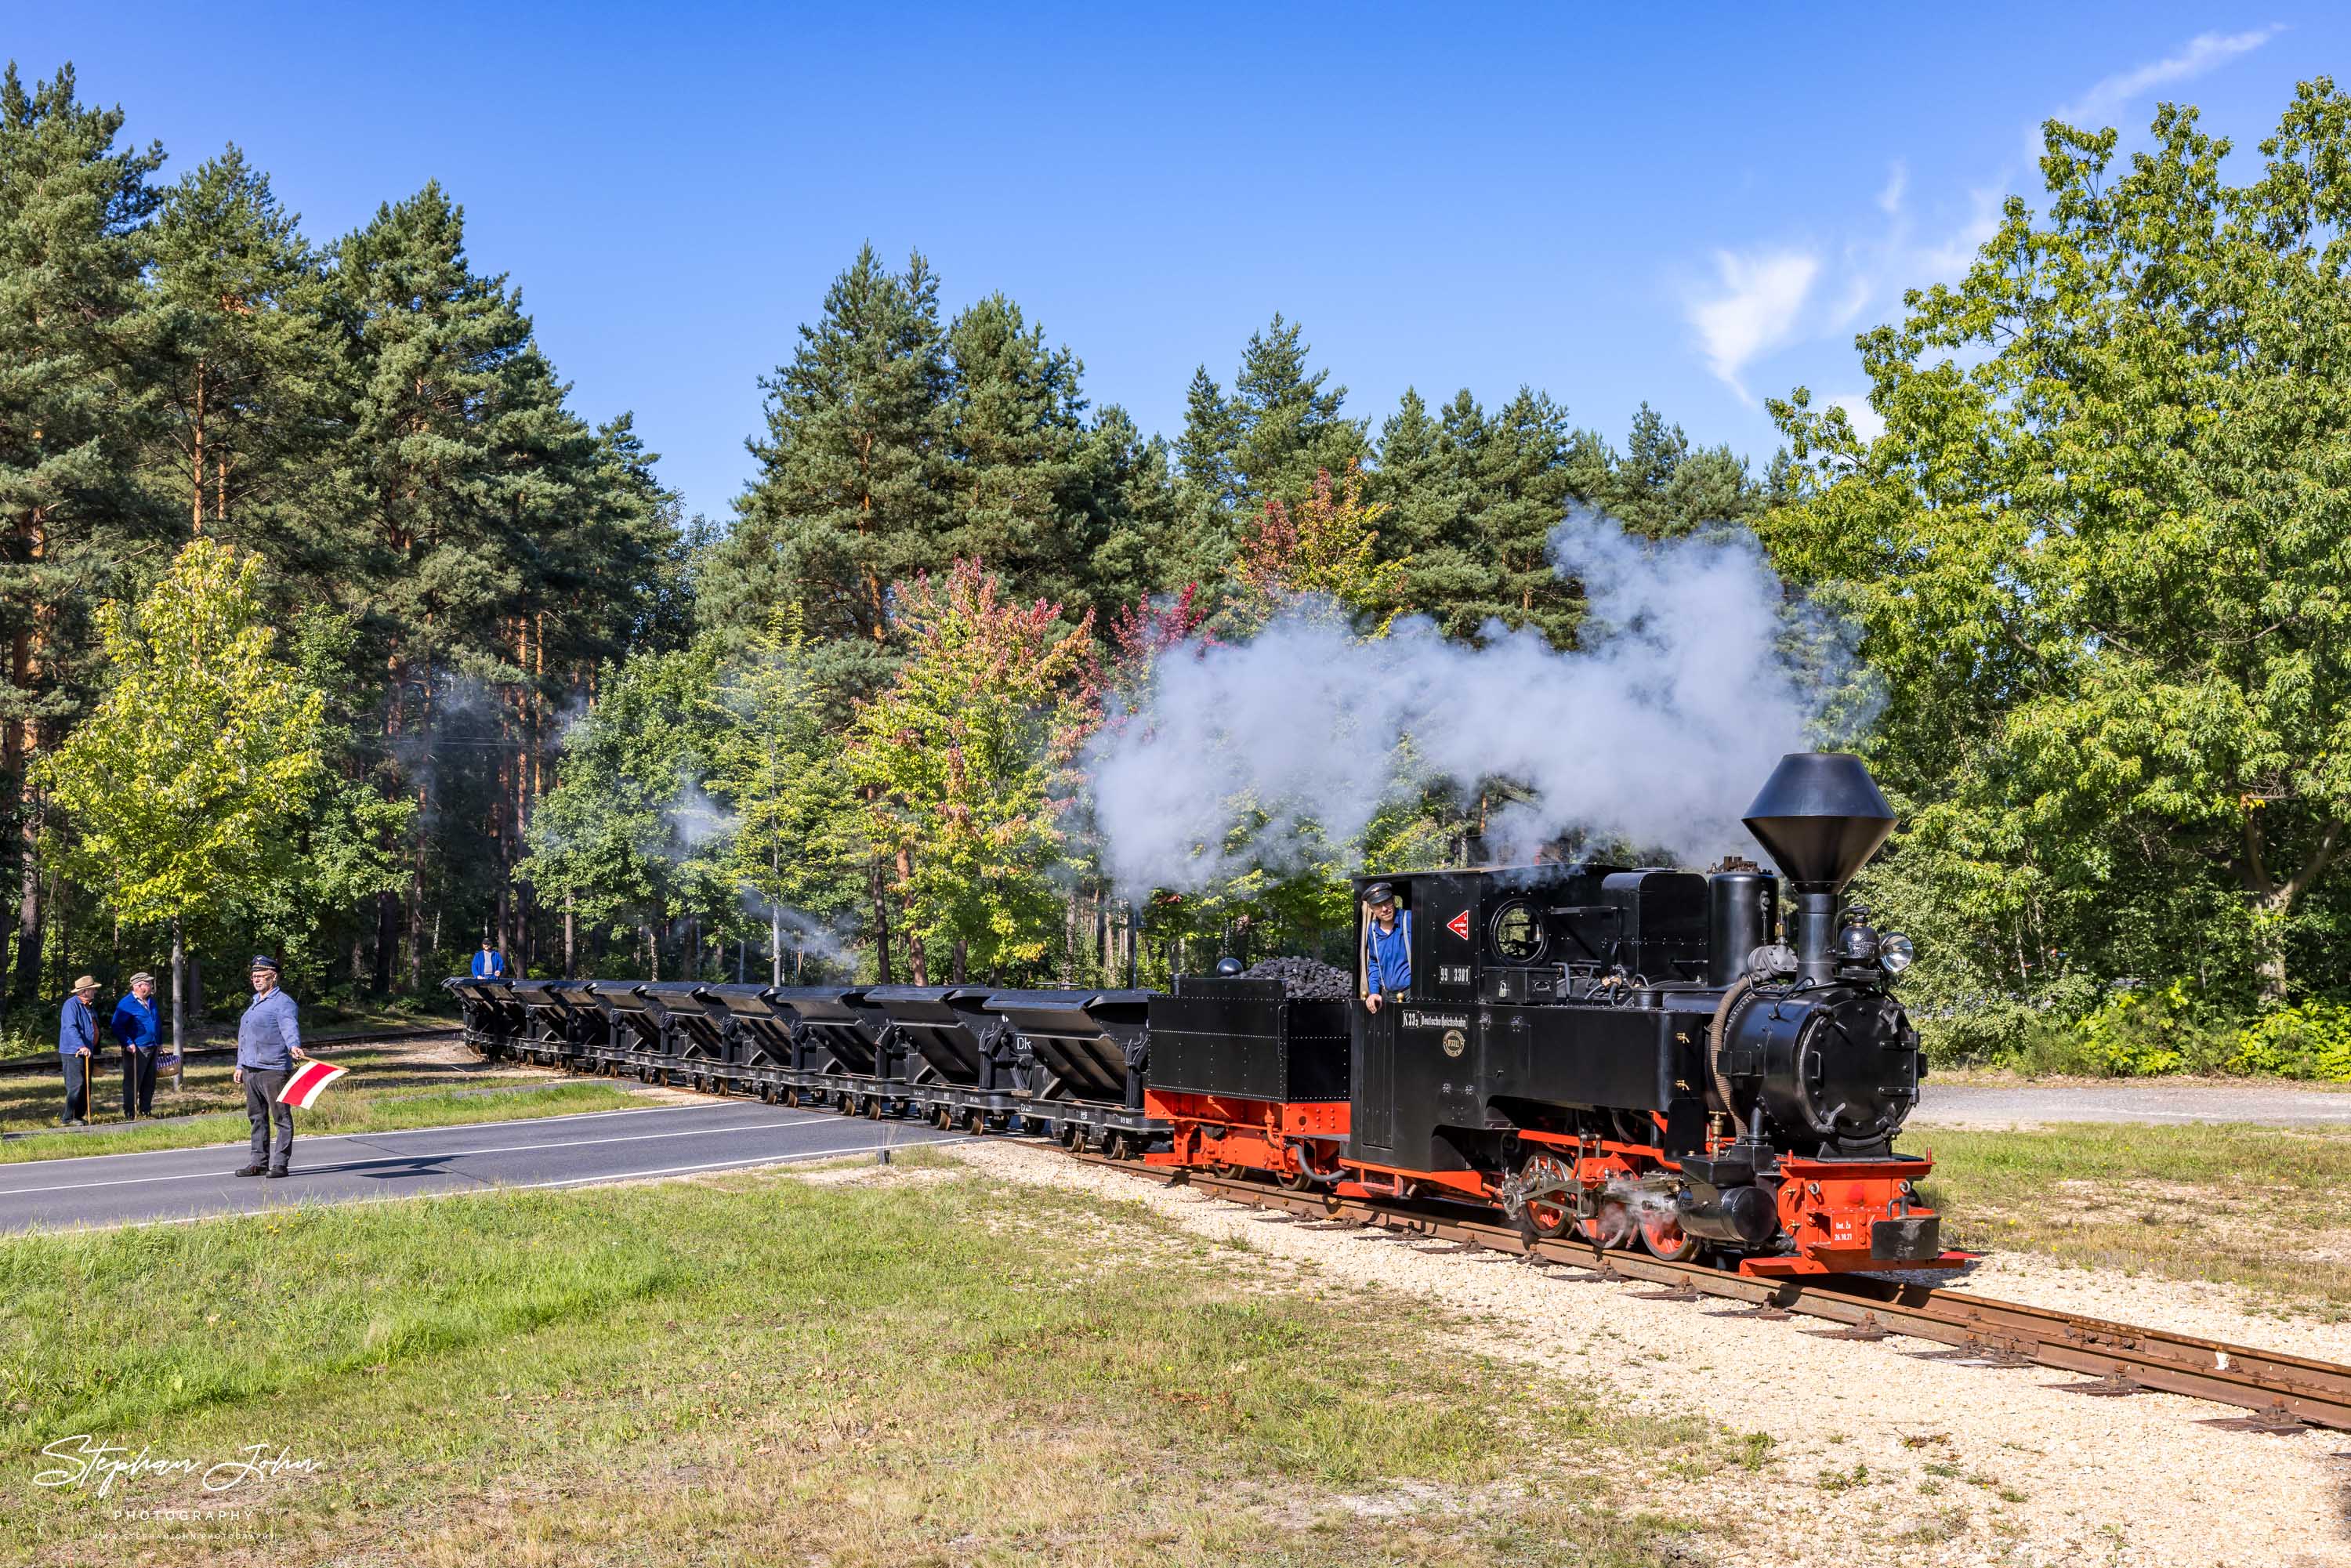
(2249, 1206)
(348, 1107)
(760, 1369)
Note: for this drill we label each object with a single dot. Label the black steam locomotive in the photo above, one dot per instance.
(1640, 1056)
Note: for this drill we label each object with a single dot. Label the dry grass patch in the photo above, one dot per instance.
(918, 1369)
(2255, 1206)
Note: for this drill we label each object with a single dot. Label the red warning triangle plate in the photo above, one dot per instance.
(1459, 925)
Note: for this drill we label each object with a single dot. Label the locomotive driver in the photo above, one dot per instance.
(1386, 958)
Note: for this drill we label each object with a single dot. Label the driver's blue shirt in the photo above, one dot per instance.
(1387, 955)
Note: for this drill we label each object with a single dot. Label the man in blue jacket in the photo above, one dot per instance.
(1387, 947)
(76, 1043)
(268, 1044)
(489, 964)
(135, 1024)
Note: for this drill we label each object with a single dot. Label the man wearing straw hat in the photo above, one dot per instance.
(268, 1044)
(76, 1040)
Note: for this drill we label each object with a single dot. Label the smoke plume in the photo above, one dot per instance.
(1694, 677)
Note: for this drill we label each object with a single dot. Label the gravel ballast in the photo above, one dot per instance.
(1877, 1456)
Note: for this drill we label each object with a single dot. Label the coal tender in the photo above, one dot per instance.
(1642, 1057)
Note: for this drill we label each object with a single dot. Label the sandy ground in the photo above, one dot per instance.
(1877, 1457)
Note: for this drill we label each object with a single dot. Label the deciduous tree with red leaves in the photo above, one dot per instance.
(965, 764)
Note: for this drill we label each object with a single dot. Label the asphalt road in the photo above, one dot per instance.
(554, 1151)
(1999, 1105)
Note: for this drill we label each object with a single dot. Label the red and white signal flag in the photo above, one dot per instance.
(302, 1089)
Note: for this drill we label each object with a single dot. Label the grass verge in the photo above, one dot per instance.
(762, 1368)
(345, 1108)
(2250, 1206)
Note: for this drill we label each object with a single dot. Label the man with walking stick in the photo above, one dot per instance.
(76, 1043)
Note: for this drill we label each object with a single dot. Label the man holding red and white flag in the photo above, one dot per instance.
(268, 1044)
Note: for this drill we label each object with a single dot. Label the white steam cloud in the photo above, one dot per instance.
(1694, 679)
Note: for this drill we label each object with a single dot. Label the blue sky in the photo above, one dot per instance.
(1699, 208)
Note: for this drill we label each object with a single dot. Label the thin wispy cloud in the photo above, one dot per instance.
(2201, 54)
(1760, 299)
(1767, 298)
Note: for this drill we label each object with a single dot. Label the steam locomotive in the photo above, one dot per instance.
(1639, 1056)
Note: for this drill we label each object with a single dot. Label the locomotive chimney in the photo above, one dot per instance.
(1820, 817)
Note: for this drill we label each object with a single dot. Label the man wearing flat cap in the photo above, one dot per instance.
(1387, 966)
(77, 1042)
(134, 1025)
(268, 1044)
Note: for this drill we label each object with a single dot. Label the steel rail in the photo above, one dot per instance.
(2285, 1391)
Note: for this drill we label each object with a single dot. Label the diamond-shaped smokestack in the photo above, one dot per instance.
(1820, 817)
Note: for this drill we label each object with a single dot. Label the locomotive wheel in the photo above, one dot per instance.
(1613, 1227)
(1549, 1219)
(1297, 1180)
(1662, 1234)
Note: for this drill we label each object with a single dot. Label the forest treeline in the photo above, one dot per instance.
(2096, 563)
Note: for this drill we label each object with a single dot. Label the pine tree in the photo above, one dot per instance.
(1287, 427)
(853, 491)
(1426, 482)
(250, 376)
(1662, 488)
(1524, 475)
(75, 402)
(1023, 471)
(448, 389)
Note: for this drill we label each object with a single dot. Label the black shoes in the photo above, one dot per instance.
(250, 1170)
(281, 1172)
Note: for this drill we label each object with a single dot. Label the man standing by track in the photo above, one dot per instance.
(268, 1044)
(134, 1026)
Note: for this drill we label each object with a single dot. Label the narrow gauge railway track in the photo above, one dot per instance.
(2284, 1391)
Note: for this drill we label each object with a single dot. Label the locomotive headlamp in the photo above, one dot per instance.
(1895, 952)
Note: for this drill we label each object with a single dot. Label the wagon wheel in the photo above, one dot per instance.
(943, 1117)
(873, 1107)
(974, 1122)
(1550, 1216)
(1662, 1234)
(790, 1096)
(847, 1103)
(1611, 1226)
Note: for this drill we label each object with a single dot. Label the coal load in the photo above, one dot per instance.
(1305, 979)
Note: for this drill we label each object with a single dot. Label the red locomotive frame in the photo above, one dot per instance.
(1828, 1206)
